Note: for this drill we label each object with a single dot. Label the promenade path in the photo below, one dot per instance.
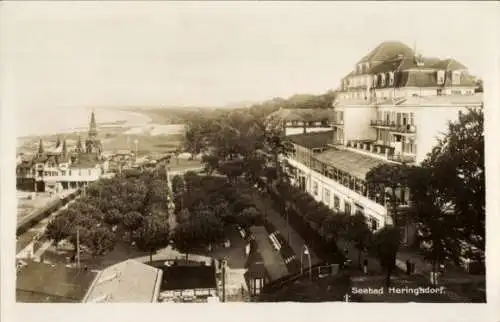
(265, 204)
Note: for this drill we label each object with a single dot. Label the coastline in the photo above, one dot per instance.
(156, 135)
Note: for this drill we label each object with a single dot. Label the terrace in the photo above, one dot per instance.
(380, 150)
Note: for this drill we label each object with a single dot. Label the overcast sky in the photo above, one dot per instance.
(165, 53)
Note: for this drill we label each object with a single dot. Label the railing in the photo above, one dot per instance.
(402, 158)
(371, 146)
(395, 127)
(337, 122)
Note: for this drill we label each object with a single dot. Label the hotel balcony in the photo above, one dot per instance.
(379, 150)
(394, 127)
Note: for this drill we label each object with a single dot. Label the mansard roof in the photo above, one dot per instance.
(387, 50)
(448, 64)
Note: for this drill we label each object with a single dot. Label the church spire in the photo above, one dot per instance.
(79, 146)
(58, 142)
(64, 148)
(92, 126)
(41, 150)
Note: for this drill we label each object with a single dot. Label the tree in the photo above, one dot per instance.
(438, 224)
(232, 169)
(152, 235)
(457, 164)
(248, 217)
(386, 243)
(359, 233)
(335, 226)
(184, 238)
(202, 229)
(132, 220)
(113, 217)
(58, 228)
(391, 176)
(99, 240)
(211, 162)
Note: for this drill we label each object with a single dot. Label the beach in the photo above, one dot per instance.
(69, 120)
(117, 128)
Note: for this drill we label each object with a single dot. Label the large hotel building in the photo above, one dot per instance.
(391, 108)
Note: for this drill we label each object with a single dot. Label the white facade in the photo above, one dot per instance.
(336, 196)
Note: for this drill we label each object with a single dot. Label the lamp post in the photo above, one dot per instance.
(308, 254)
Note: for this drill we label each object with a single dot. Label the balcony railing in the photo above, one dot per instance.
(371, 146)
(394, 127)
(380, 150)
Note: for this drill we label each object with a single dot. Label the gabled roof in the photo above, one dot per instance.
(126, 282)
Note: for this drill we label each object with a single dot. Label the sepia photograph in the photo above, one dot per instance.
(240, 152)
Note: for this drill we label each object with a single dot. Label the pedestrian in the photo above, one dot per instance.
(408, 267)
(365, 266)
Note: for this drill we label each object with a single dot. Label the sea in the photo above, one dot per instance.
(66, 120)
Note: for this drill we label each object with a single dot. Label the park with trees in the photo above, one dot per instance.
(130, 208)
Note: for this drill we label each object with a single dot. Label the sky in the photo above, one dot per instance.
(61, 54)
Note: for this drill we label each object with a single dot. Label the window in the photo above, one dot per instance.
(336, 202)
(440, 77)
(326, 196)
(315, 188)
(89, 172)
(391, 78)
(382, 79)
(69, 172)
(347, 208)
(455, 79)
(375, 79)
(373, 223)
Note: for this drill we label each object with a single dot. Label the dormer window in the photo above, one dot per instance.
(391, 79)
(382, 80)
(455, 79)
(440, 77)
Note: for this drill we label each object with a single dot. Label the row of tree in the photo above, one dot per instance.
(130, 207)
(205, 207)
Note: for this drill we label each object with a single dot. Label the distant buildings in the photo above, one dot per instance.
(390, 109)
(302, 121)
(61, 168)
